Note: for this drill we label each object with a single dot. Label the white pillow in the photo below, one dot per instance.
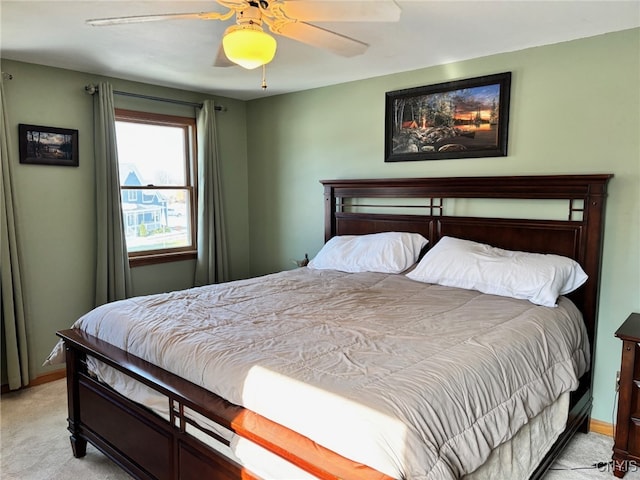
(388, 252)
(465, 264)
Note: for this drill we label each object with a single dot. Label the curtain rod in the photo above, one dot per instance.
(91, 89)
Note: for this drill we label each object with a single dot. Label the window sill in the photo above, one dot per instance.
(142, 260)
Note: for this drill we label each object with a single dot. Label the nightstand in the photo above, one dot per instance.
(626, 449)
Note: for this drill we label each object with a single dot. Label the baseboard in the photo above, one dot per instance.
(46, 378)
(600, 427)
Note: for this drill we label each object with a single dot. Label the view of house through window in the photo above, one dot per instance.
(155, 156)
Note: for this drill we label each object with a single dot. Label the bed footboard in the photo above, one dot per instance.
(148, 447)
(140, 442)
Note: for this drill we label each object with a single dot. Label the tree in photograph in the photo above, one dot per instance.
(67, 147)
(398, 114)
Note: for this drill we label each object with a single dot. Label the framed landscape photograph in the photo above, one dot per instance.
(48, 145)
(459, 119)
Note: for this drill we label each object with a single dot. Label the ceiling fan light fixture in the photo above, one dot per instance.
(248, 45)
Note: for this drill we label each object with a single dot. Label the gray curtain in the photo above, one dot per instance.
(211, 265)
(113, 277)
(13, 316)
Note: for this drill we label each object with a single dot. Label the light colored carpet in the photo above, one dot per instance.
(581, 454)
(34, 444)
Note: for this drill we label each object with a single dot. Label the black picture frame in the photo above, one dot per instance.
(41, 145)
(458, 119)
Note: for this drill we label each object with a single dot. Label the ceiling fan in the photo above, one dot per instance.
(246, 44)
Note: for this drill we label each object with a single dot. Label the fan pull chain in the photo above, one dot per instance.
(264, 77)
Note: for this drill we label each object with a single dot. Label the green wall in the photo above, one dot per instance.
(575, 108)
(55, 205)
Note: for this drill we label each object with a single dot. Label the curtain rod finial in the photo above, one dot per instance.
(90, 89)
(8, 76)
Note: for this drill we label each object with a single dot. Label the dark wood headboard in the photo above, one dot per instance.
(578, 237)
(350, 211)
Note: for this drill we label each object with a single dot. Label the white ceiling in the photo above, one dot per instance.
(180, 53)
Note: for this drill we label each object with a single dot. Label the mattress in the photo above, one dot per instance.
(415, 380)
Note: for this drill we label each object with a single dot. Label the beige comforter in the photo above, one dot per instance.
(418, 381)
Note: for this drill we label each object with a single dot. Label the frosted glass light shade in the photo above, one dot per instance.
(248, 46)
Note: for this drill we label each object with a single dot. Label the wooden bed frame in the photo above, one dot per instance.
(148, 447)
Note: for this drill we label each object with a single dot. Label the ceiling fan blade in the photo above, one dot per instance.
(342, 11)
(222, 60)
(320, 37)
(101, 22)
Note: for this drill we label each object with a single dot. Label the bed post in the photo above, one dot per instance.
(594, 211)
(329, 212)
(75, 360)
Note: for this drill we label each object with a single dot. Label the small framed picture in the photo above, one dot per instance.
(48, 145)
(458, 119)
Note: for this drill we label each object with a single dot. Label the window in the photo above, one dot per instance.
(156, 159)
